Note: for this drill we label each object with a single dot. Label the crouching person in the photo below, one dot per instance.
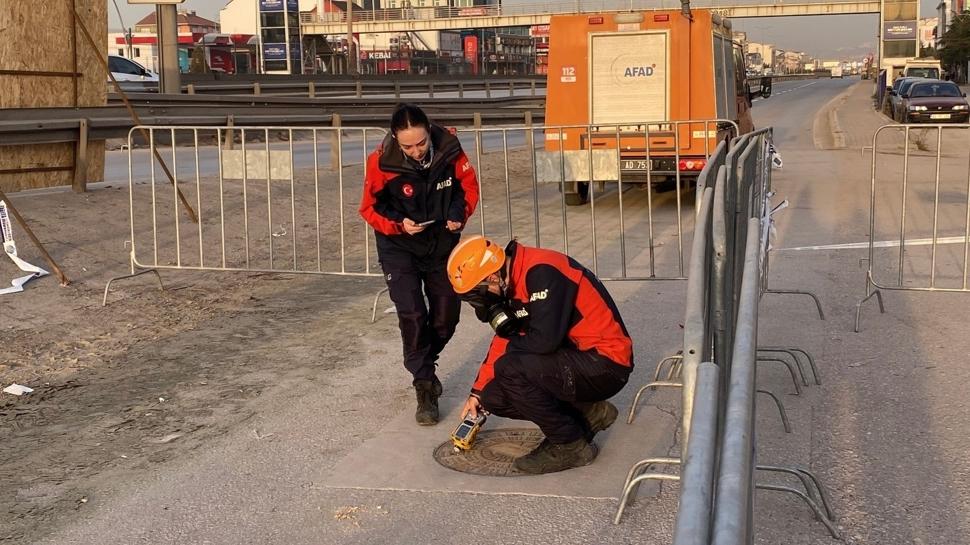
(560, 351)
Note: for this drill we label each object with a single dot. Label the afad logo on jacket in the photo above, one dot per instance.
(408, 190)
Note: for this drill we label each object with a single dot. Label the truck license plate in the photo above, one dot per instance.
(939, 116)
(634, 164)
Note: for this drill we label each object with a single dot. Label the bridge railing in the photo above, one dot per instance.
(558, 7)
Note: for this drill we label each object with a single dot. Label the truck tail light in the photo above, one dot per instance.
(691, 164)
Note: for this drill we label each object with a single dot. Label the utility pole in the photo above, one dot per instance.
(351, 52)
(166, 27)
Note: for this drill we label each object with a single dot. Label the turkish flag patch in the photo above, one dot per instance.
(408, 190)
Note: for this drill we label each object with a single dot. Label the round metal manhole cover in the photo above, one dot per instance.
(492, 453)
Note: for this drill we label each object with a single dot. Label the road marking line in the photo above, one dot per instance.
(878, 244)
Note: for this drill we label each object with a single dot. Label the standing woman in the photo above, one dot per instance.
(419, 191)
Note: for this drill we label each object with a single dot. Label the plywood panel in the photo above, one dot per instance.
(48, 155)
(37, 36)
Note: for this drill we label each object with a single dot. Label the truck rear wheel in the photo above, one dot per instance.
(578, 194)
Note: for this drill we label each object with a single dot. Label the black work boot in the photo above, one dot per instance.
(551, 457)
(427, 392)
(598, 416)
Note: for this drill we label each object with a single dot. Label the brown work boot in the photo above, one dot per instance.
(427, 392)
(599, 416)
(551, 457)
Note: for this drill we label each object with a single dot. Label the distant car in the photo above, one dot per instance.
(900, 86)
(836, 72)
(935, 101)
(127, 70)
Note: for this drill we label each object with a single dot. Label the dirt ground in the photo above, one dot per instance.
(151, 376)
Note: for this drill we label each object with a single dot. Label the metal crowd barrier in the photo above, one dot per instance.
(293, 208)
(281, 200)
(929, 242)
(728, 275)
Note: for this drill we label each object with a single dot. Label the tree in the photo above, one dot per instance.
(955, 44)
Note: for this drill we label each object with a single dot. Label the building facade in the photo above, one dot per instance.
(141, 45)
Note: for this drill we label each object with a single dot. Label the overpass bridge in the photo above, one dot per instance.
(447, 18)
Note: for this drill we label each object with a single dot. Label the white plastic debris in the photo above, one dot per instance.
(10, 248)
(17, 389)
(776, 161)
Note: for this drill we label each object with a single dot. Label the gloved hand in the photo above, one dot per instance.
(504, 322)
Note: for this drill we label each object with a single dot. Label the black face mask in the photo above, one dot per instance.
(493, 309)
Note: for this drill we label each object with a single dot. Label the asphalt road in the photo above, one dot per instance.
(792, 106)
(117, 161)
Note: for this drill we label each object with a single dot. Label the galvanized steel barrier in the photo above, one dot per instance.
(293, 208)
(926, 195)
(728, 276)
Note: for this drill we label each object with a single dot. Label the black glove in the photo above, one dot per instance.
(503, 321)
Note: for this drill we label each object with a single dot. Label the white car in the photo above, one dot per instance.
(127, 70)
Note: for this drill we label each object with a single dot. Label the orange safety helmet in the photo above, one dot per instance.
(472, 261)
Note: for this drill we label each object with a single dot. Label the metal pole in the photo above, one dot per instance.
(166, 19)
(695, 323)
(736, 472)
(351, 52)
(697, 476)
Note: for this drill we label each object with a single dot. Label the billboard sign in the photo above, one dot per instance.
(274, 52)
(899, 30)
(537, 31)
(270, 5)
(471, 52)
(450, 41)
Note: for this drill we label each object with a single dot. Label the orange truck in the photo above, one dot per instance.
(642, 96)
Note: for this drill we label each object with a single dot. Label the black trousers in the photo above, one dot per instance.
(546, 388)
(427, 309)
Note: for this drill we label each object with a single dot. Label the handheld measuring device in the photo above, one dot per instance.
(464, 434)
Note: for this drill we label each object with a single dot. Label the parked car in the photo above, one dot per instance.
(935, 101)
(895, 98)
(127, 70)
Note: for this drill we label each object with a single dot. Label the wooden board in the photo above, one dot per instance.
(46, 27)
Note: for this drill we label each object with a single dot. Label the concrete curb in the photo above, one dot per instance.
(828, 115)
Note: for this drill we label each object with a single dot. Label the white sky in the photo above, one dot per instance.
(834, 36)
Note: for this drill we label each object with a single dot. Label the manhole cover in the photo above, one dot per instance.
(492, 454)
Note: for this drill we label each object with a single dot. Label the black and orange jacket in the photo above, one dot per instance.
(567, 306)
(395, 188)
